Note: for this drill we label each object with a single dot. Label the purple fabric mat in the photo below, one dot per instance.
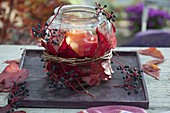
(150, 38)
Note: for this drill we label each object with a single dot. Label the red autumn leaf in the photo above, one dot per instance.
(12, 74)
(153, 74)
(90, 52)
(10, 61)
(11, 68)
(92, 80)
(113, 40)
(152, 70)
(103, 42)
(96, 75)
(113, 27)
(50, 48)
(154, 62)
(152, 52)
(22, 75)
(66, 51)
(5, 109)
(9, 108)
(43, 44)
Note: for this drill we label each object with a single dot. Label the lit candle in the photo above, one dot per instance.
(73, 39)
(73, 44)
(81, 42)
(90, 45)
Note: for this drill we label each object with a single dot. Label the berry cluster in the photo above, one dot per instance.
(46, 34)
(38, 31)
(66, 79)
(17, 93)
(131, 78)
(100, 10)
(62, 81)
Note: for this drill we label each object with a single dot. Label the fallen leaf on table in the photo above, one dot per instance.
(12, 74)
(152, 52)
(154, 62)
(152, 70)
(151, 67)
(11, 61)
(5, 109)
(8, 108)
(11, 68)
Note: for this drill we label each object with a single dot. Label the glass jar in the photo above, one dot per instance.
(78, 46)
(79, 22)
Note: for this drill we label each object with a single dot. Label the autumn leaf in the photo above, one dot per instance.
(10, 61)
(152, 52)
(66, 51)
(7, 108)
(12, 74)
(113, 27)
(151, 67)
(152, 70)
(11, 68)
(153, 74)
(92, 80)
(103, 42)
(113, 40)
(50, 48)
(8, 77)
(154, 62)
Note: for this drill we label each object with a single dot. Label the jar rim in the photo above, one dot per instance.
(92, 19)
(68, 7)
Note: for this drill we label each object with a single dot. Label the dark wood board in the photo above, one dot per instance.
(105, 93)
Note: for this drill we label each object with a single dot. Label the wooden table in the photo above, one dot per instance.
(158, 90)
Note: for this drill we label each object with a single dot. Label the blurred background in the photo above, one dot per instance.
(135, 20)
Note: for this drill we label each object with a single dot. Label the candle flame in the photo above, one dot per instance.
(92, 39)
(74, 31)
(73, 44)
(68, 40)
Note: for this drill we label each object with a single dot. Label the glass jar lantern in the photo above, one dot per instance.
(78, 46)
(80, 23)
